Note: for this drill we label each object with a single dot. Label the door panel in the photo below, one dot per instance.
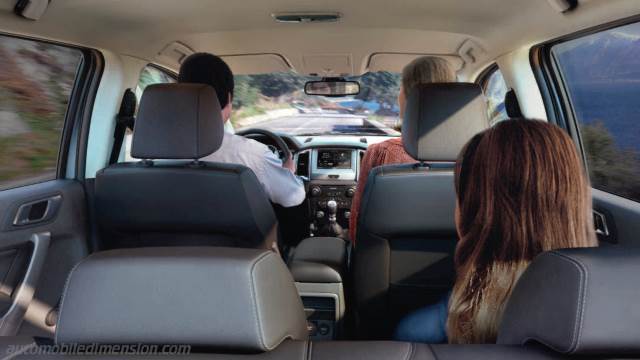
(622, 218)
(42, 236)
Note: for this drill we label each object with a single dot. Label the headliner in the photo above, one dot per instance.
(142, 28)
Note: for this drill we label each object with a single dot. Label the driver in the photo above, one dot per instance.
(277, 178)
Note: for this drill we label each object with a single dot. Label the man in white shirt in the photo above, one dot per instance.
(278, 179)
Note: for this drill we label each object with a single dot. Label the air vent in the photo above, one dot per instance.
(302, 168)
(297, 18)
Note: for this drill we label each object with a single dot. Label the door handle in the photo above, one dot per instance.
(37, 211)
(600, 223)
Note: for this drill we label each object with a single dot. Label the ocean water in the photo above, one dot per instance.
(616, 104)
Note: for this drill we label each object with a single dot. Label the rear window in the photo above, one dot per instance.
(601, 74)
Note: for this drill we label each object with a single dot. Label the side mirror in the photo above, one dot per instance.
(332, 87)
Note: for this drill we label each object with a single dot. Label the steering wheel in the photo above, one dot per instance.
(284, 152)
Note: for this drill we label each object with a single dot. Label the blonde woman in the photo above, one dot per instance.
(521, 190)
(423, 70)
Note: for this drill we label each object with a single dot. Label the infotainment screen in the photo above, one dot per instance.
(334, 159)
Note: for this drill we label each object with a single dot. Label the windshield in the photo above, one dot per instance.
(277, 102)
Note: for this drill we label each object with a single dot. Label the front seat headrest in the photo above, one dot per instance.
(440, 118)
(177, 121)
(577, 301)
(241, 300)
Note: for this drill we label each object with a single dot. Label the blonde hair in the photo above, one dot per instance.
(426, 70)
(521, 190)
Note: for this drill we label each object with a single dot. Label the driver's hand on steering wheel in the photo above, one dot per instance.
(289, 164)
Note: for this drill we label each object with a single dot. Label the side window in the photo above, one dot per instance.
(495, 89)
(36, 80)
(148, 76)
(601, 75)
(152, 75)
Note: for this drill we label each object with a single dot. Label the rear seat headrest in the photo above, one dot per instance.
(177, 121)
(577, 301)
(242, 300)
(440, 118)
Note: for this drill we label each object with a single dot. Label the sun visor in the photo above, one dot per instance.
(174, 54)
(245, 64)
(394, 62)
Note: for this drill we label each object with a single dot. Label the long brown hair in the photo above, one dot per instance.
(521, 190)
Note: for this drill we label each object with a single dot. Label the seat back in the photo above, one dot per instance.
(181, 201)
(222, 299)
(578, 302)
(406, 229)
(125, 301)
(403, 258)
(177, 204)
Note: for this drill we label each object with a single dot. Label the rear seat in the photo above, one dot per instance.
(242, 304)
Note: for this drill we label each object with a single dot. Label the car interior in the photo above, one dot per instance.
(115, 232)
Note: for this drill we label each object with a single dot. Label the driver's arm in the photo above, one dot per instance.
(282, 186)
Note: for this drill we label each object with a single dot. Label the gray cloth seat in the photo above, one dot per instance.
(323, 350)
(577, 302)
(567, 305)
(223, 299)
(179, 200)
(406, 230)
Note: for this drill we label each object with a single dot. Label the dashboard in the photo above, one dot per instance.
(329, 166)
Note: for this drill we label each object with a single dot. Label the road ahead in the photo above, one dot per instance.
(325, 124)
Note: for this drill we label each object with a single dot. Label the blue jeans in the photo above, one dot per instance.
(427, 325)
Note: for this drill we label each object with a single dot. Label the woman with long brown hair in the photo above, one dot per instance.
(521, 189)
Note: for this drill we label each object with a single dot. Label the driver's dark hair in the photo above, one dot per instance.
(205, 68)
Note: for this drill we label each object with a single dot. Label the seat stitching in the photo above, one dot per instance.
(254, 300)
(409, 353)
(535, 337)
(309, 349)
(65, 289)
(430, 347)
(582, 289)
(287, 334)
(583, 299)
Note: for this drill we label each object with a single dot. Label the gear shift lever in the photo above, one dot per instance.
(332, 206)
(333, 228)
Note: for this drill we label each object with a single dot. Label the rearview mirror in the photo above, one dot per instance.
(332, 87)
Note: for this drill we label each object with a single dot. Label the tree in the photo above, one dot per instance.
(610, 168)
(244, 94)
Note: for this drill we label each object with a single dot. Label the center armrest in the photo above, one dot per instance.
(312, 272)
(318, 253)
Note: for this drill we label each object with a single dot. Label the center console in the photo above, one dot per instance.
(318, 266)
(332, 174)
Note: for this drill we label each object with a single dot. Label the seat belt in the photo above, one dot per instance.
(125, 119)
